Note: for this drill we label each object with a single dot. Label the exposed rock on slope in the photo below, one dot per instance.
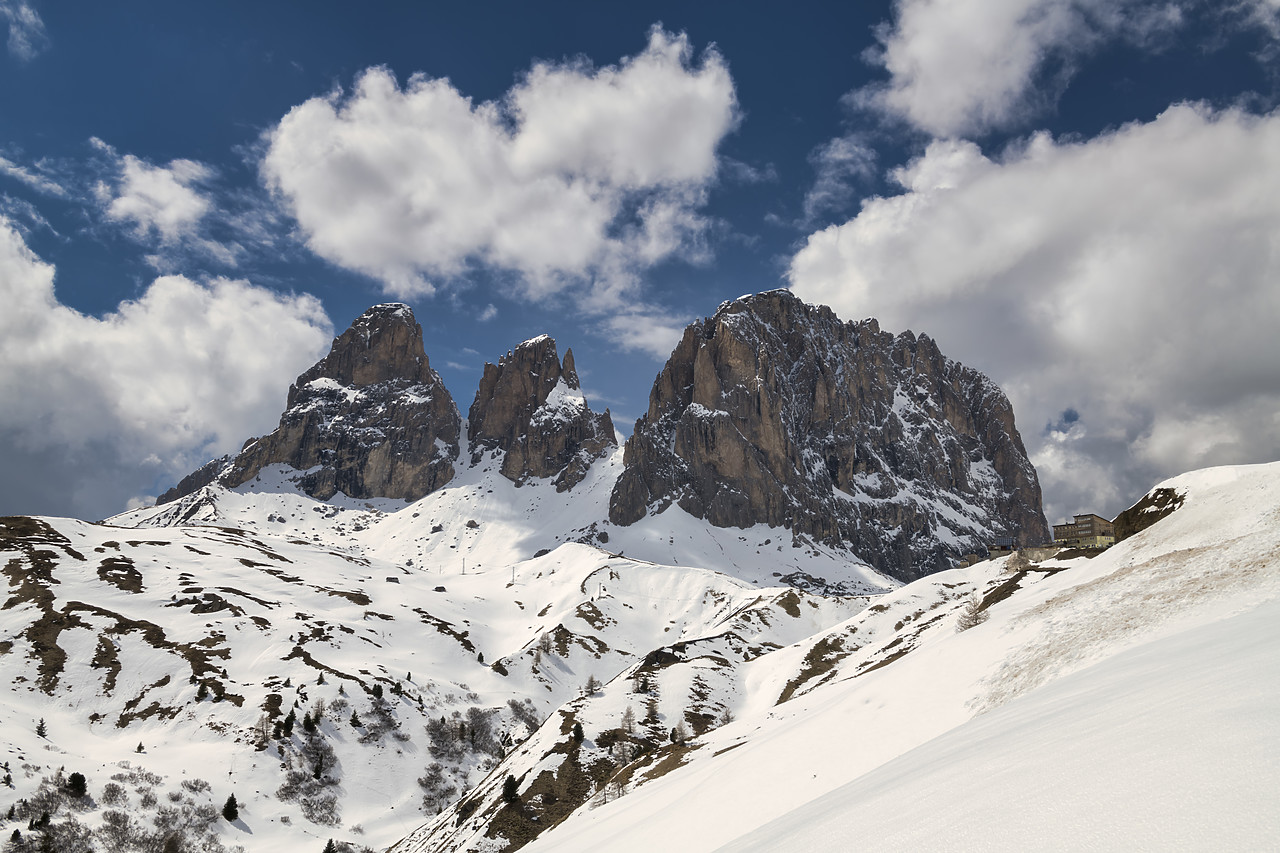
(1155, 505)
(370, 419)
(776, 412)
(529, 406)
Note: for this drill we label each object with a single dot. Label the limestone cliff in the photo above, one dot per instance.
(776, 412)
(530, 410)
(370, 419)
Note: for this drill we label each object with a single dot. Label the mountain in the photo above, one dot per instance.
(365, 622)
(775, 412)
(370, 419)
(1121, 702)
(530, 410)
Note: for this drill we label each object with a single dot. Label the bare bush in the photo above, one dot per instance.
(972, 614)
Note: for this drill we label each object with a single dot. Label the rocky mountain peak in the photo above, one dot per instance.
(370, 419)
(383, 344)
(775, 411)
(529, 407)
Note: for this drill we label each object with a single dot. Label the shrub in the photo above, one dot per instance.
(76, 786)
(972, 614)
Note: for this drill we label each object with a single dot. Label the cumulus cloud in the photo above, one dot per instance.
(103, 408)
(579, 178)
(170, 208)
(27, 37)
(1122, 289)
(958, 67)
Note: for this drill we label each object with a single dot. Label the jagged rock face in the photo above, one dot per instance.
(776, 412)
(530, 408)
(371, 418)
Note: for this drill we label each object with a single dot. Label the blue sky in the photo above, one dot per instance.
(1077, 197)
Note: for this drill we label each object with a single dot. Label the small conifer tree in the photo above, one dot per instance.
(231, 809)
(330, 847)
(511, 790)
(140, 747)
(577, 732)
(41, 728)
(355, 720)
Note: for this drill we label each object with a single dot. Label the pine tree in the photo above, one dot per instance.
(577, 732)
(231, 809)
(377, 691)
(202, 692)
(41, 728)
(511, 790)
(355, 720)
(629, 720)
(320, 680)
(308, 724)
(140, 747)
(330, 847)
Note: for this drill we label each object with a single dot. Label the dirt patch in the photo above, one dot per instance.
(445, 628)
(818, 662)
(121, 573)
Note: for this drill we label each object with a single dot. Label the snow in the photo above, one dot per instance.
(1125, 702)
(562, 404)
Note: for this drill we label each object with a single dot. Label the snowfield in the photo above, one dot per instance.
(663, 686)
(1127, 702)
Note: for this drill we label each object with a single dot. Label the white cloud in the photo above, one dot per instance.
(839, 163)
(959, 67)
(487, 313)
(171, 208)
(26, 31)
(34, 180)
(158, 201)
(650, 331)
(1131, 278)
(185, 372)
(580, 177)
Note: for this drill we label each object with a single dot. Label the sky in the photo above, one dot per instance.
(1080, 198)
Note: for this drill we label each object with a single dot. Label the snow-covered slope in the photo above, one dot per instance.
(423, 640)
(664, 683)
(1125, 702)
(487, 521)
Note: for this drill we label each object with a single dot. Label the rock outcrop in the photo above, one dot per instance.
(370, 419)
(776, 412)
(530, 409)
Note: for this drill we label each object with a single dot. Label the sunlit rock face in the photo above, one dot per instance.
(530, 410)
(777, 412)
(370, 419)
